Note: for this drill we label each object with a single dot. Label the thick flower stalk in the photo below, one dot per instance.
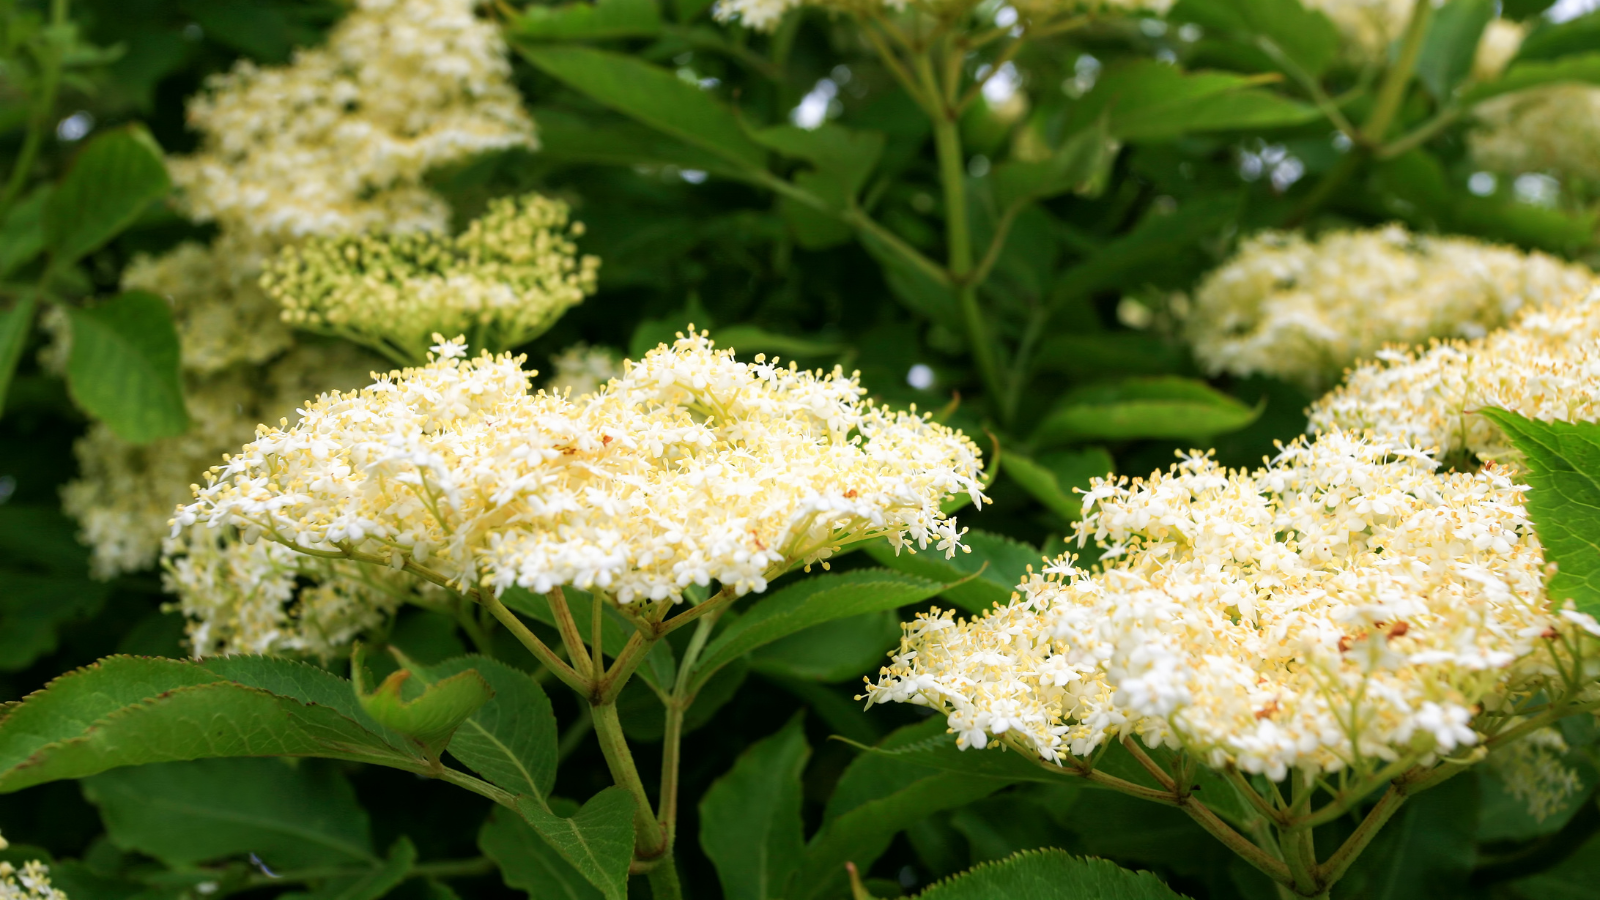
(1545, 365)
(338, 141)
(1303, 310)
(505, 280)
(690, 467)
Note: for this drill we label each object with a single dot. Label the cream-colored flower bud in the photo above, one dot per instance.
(1499, 45)
(505, 279)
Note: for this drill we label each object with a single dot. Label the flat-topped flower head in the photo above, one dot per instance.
(691, 466)
(1345, 606)
(507, 278)
(338, 141)
(1304, 310)
(1545, 365)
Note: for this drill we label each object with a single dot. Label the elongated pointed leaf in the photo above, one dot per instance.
(1162, 407)
(129, 711)
(1147, 100)
(124, 367)
(1051, 477)
(652, 95)
(750, 823)
(188, 813)
(1564, 471)
(811, 602)
(1580, 67)
(850, 154)
(372, 884)
(840, 650)
(1451, 44)
(998, 562)
(528, 863)
(511, 740)
(602, 20)
(1304, 35)
(1047, 875)
(15, 324)
(597, 840)
(109, 184)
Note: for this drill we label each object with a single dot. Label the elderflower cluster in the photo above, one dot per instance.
(582, 369)
(1533, 771)
(124, 494)
(1545, 366)
(31, 882)
(338, 141)
(689, 467)
(764, 15)
(1553, 129)
(265, 598)
(1303, 310)
(1344, 605)
(505, 279)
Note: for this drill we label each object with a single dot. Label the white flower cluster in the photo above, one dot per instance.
(124, 494)
(1545, 365)
(31, 882)
(1343, 606)
(1304, 310)
(265, 598)
(1533, 771)
(691, 466)
(1553, 129)
(1369, 25)
(505, 279)
(338, 141)
(582, 369)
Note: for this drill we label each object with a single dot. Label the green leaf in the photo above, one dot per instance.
(1146, 100)
(132, 711)
(601, 20)
(430, 716)
(15, 325)
(1082, 165)
(614, 141)
(528, 863)
(1572, 879)
(511, 740)
(34, 607)
(999, 562)
(1047, 875)
(289, 815)
(749, 339)
(109, 184)
(1091, 357)
(831, 148)
(876, 799)
(1160, 407)
(1149, 247)
(750, 824)
(1305, 36)
(1563, 463)
(654, 96)
(1051, 477)
(930, 745)
(22, 231)
(811, 602)
(840, 650)
(1451, 44)
(124, 367)
(835, 706)
(1551, 40)
(1579, 67)
(372, 884)
(913, 286)
(597, 840)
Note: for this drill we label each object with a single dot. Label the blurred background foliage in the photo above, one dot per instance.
(1078, 303)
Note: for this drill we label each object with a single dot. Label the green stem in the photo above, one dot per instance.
(1392, 92)
(39, 118)
(544, 654)
(1341, 860)
(664, 880)
(648, 836)
(958, 237)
